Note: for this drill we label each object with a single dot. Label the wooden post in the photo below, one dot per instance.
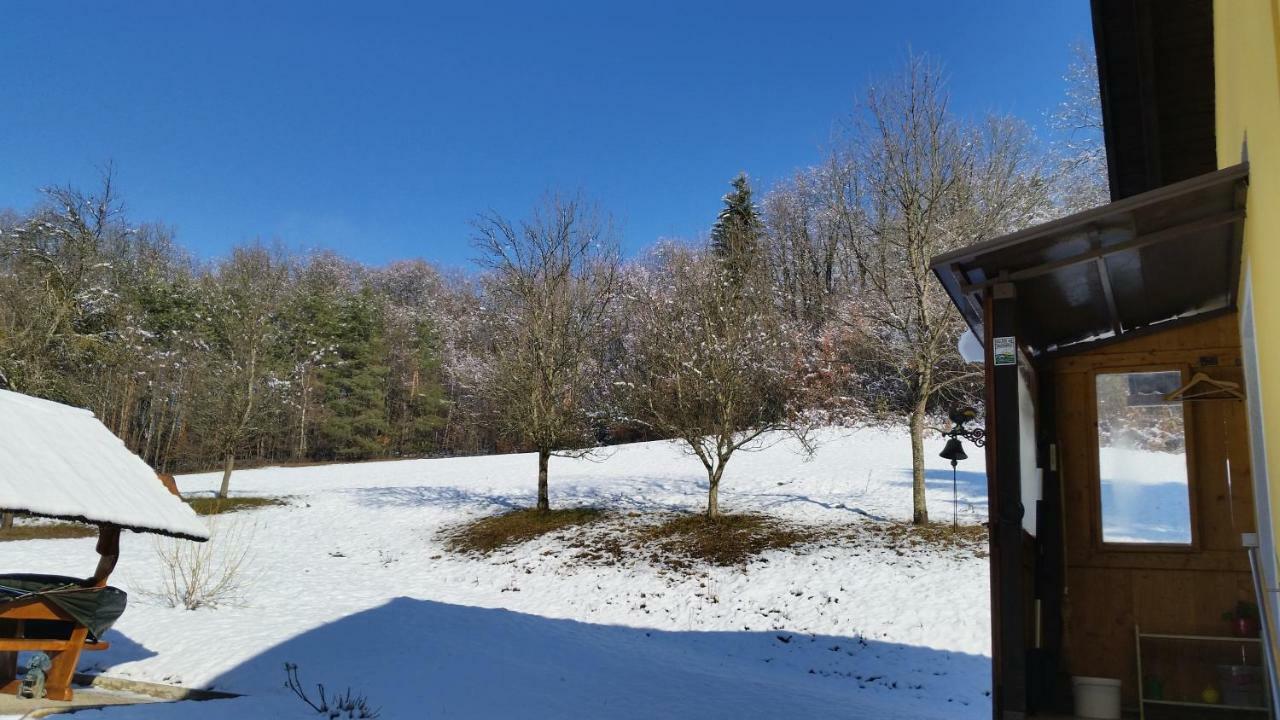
(1050, 583)
(63, 669)
(9, 660)
(1004, 480)
(58, 682)
(109, 553)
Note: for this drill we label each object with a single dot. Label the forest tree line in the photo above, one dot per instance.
(808, 304)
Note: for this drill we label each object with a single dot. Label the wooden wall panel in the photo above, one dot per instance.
(1112, 588)
(1075, 426)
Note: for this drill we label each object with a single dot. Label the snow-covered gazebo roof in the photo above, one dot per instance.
(61, 462)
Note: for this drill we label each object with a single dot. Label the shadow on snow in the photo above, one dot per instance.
(642, 495)
(454, 498)
(971, 486)
(417, 658)
(123, 649)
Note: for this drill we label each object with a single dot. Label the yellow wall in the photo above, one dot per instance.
(1247, 73)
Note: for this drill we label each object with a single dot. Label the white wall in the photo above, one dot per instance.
(1032, 482)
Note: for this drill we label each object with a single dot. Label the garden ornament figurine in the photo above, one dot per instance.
(33, 682)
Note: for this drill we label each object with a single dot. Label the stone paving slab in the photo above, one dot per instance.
(11, 706)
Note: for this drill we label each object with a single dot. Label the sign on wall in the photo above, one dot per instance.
(1005, 351)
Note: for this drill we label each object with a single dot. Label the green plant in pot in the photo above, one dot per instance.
(1243, 619)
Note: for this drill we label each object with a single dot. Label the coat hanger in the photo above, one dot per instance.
(1203, 387)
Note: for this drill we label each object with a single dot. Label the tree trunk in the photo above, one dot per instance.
(544, 499)
(228, 465)
(173, 434)
(920, 515)
(302, 424)
(713, 491)
(6, 521)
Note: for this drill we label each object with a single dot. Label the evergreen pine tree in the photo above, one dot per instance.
(424, 401)
(354, 383)
(311, 322)
(735, 238)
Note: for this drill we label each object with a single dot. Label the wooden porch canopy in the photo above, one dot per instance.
(1147, 262)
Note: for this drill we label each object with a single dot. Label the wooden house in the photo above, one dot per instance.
(1127, 351)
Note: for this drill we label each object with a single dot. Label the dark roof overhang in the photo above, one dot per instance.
(1156, 82)
(1170, 255)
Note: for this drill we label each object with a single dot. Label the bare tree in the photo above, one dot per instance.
(711, 361)
(464, 360)
(57, 304)
(244, 300)
(927, 183)
(810, 221)
(554, 277)
(1080, 151)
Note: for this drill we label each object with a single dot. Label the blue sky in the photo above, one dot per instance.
(379, 129)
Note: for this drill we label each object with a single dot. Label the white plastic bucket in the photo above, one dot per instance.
(1097, 697)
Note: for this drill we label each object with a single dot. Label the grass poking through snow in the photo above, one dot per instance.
(908, 539)
(34, 529)
(217, 506)
(941, 534)
(512, 528)
(726, 540)
(48, 531)
(689, 542)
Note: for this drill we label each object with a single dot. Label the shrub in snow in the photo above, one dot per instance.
(344, 705)
(208, 574)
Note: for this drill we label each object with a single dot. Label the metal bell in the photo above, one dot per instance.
(954, 451)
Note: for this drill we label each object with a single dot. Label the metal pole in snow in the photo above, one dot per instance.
(955, 499)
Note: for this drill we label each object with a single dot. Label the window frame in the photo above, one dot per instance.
(1095, 445)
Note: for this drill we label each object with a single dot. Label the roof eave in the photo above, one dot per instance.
(967, 272)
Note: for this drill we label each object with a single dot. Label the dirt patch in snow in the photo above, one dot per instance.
(594, 537)
(217, 506)
(689, 543)
(908, 539)
(687, 540)
(47, 531)
(942, 536)
(496, 532)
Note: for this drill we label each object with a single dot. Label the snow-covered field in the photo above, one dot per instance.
(1145, 496)
(351, 581)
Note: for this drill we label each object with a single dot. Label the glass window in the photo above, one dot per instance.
(1142, 448)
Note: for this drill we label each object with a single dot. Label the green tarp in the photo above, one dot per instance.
(95, 608)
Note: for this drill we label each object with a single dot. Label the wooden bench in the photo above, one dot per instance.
(64, 652)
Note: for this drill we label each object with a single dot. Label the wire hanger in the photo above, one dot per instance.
(1203, 387)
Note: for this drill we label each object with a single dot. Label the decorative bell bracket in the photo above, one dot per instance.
(954, 450)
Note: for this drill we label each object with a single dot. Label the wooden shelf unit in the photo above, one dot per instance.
(1144, 701)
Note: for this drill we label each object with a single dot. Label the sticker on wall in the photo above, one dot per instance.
(1005, 351)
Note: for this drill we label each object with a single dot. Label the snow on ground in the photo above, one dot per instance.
(351, 582)
(1145, 496)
